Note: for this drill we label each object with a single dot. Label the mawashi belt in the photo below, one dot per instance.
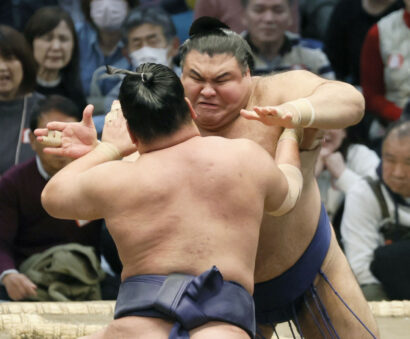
(188, 300)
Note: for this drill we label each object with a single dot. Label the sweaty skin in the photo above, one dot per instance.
(216, 198)
(218, 89)
(283, 239)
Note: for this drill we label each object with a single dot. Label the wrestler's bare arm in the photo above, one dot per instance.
(278, 176)
(307, 101)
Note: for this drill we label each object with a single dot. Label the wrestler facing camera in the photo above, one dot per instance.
(298, 253)
(186, 204)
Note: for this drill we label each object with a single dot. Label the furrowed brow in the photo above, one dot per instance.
(223, 75)
(195, 73)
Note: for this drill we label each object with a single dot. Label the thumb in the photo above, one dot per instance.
(250, 115)
(88, 116)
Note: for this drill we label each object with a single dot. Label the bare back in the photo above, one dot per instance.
(191, 203)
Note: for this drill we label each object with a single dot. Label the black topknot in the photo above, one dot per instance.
(206, 24)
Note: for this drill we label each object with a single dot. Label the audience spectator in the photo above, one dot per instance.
(181, 12)
(342, 162)
(100, 35)
(230, 12)
(51, 34)
(314, 17)
(346, 31)
(376, 221)
(385, 65)
(149, 35)
(17, 82)
(276, 49)
(25, 227)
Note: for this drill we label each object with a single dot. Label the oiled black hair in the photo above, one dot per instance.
(153, 102)
(210, 36)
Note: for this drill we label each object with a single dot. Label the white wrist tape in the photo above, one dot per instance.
(292, 133)
(53, 139)
(295, 185)
(108, 150)
(305, 112)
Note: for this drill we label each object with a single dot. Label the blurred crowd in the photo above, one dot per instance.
(53, 57)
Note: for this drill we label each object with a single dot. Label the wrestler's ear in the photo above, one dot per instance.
(134, 140)
(191, 109)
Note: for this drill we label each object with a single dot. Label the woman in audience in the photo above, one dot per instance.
(17, 83)
(51, 34)
(341, 164)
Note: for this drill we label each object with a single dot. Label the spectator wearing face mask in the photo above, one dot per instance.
(100, 35)
(149, 35)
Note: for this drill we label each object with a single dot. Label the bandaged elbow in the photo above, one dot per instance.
(294, 178)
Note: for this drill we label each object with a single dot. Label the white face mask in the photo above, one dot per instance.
(149, 54)
(108, 15)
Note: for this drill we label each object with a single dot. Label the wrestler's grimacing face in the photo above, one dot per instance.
(216, 87)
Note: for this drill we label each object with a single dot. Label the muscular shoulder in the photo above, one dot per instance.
(245, 147)
(286, 86)
(109, 177)
(241, 151)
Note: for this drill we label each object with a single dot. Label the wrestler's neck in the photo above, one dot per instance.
(185, 133)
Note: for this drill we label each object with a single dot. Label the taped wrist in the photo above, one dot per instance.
(303, 112)
(53, 139)
(109, 150)
(292, 133)
(295, 184)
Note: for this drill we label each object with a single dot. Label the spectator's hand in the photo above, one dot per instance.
(18, 286)
(77, 138)
(335, 164)
(116, 132)
(270, 115)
